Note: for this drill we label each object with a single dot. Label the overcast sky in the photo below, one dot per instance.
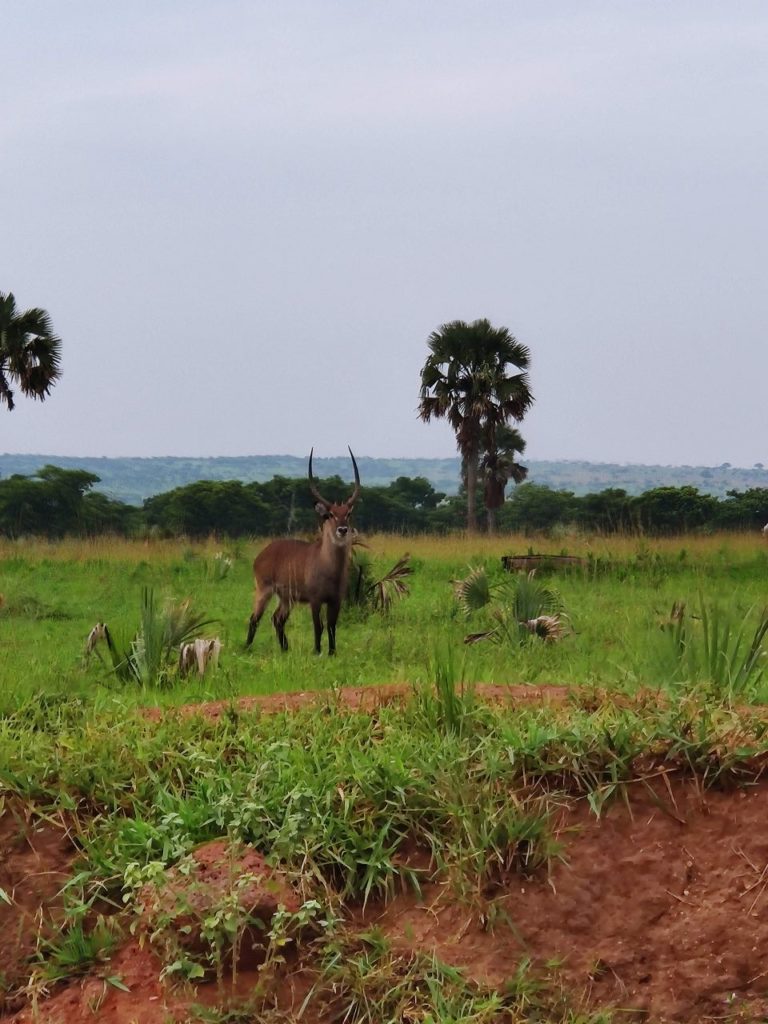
(245, 218)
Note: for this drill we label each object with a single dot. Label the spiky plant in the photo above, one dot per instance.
(218, 569)
(475, 591)
(714, 647)
(532, 597)
(147, 656)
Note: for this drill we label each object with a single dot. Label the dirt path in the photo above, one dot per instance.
(365, 698)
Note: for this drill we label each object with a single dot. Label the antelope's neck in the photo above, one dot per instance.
(335, 556)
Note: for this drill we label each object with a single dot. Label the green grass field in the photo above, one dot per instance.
(340, 799)
(54, 594)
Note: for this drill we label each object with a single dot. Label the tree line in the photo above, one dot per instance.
(55, 503)
(475, 376)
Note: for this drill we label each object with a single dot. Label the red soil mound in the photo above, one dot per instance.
(217, 874)
(661, 907)
(142, 1000)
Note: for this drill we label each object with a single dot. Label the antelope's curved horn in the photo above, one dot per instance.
(356, 493)
(313, 490)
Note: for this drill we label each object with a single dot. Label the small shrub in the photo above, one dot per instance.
(521, 607)
(717, 648)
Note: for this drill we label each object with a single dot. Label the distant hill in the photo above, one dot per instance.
(134, 479)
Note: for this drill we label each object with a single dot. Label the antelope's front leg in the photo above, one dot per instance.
(333, 615)
(317, 622)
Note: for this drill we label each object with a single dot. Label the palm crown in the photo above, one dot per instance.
(29, 351)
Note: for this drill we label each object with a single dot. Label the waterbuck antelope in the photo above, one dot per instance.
(313, 573)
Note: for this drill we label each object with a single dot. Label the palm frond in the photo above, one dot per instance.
(370, 594)
(474, 591)
(532, 598)
(549, 627)
(391, 587)
(494, 635)
(181, 623)
(30, 352)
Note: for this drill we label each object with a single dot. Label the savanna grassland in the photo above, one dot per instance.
(594, 855)
(55, 593)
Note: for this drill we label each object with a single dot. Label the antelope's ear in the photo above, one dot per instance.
(321, 509)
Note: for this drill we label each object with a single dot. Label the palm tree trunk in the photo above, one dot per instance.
(491, 519)
(471, 457)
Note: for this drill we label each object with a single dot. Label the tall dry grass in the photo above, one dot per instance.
(698, 548)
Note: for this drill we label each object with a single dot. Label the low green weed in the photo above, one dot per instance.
(201, 930)
(342, 793)
(449, 703)
(341, 801)
(75, 950)
(369, 983)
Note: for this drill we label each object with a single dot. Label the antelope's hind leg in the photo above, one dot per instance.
(260, 602)
(279, 620)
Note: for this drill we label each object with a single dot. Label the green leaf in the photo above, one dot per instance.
(116, 982)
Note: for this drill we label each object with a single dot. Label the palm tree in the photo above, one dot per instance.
(498, 466)
(467, 380)
(29, 351)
